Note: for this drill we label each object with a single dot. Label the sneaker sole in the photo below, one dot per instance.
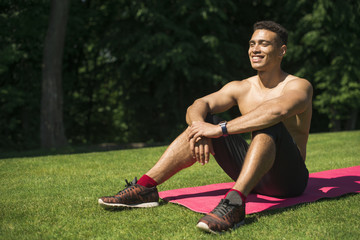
(120, 205)
(203, 226)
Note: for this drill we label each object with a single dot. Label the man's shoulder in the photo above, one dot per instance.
(237, 88)
(294, 79)
(299, 87)
(295, 82)
(241, 83)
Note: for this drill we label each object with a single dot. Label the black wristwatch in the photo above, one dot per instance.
(223, 128)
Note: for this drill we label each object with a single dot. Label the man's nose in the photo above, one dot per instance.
(256, 48)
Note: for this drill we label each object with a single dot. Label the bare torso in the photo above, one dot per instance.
(254, 94)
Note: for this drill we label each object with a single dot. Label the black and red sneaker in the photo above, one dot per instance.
(224, 217)
(134, 195)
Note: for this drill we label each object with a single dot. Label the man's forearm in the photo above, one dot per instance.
(294, 101)
(197, 112)
(263, 116)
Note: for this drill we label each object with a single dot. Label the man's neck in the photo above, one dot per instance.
(270, 79)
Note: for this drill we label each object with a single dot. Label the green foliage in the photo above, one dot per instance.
(176, 53)
(21, 42)
(145, 62)
(131, 68)
(326, 38)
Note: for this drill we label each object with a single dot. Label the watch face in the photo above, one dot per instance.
(222, 123)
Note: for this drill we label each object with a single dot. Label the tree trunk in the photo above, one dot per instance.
(334, 122)
(52, 131)
(351, 122)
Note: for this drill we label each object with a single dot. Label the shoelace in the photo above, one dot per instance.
(127, 185)
(224, 207)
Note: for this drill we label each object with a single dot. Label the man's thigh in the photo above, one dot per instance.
(229, 151)
(288, 176)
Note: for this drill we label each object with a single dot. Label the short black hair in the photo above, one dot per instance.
(274, 27)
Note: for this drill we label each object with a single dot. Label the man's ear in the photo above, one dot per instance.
(283, 49)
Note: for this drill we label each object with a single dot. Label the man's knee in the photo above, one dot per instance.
(213, 119)
(272, 131)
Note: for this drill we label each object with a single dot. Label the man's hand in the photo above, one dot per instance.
(202, 129)
(201, 149)
(201, 145)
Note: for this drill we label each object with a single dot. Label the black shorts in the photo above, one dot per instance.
(288, 176)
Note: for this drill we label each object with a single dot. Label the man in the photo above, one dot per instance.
(275, 107)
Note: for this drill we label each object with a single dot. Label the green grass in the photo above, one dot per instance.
(55, 196)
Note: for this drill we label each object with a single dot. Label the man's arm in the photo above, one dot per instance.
(217, 102)
(197, 111)
(296, 97)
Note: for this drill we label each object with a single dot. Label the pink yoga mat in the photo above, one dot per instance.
(326, 184)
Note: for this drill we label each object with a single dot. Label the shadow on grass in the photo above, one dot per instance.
(121, 209)
(254, 217)
(250, 218)
(75, 150)
(72, 149)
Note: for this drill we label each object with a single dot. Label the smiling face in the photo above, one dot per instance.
(265, 52)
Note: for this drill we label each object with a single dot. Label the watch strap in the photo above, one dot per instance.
(224, 129)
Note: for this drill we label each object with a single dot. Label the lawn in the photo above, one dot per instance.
(55, 196)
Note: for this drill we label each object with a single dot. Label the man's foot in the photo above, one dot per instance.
(134, 195)
(224, 217)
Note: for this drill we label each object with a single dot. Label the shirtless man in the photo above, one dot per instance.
(275, 107)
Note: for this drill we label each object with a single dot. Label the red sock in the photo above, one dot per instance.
(243, 197)
(147, 181)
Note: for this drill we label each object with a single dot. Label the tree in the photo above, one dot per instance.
(171, 52)
(327, 41)
(130, 68)
(21, 46)
(52, 131)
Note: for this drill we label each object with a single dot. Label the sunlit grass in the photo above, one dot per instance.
(55, 196)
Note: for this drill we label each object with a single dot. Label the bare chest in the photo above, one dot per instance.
(255, 96)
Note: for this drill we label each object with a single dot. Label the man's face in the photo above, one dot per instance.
(264, 50)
